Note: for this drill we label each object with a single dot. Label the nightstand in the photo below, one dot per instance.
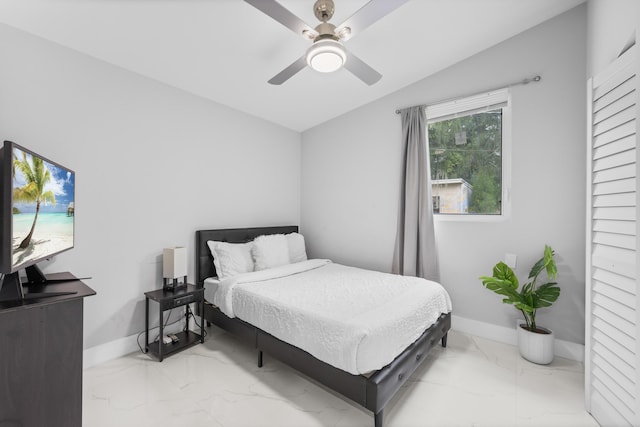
(168, 300)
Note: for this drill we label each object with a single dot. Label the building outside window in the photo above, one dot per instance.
(452, 195)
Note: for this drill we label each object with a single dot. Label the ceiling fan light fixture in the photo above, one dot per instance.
(326, 56)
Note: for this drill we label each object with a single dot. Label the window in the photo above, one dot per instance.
(469, 155)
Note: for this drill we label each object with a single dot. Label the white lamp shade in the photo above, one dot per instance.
(174, 262)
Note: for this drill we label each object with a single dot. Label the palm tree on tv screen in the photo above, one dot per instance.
(36, 176)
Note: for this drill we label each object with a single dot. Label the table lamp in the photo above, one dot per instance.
(174, 266)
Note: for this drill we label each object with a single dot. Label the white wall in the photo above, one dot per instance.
(153, 164)
(351, 176)
(611, 24)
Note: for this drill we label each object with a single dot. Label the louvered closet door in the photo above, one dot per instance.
(612, 359)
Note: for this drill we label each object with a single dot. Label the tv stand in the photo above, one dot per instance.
(41, 352)
(36, 277)
(49, 281)
(11, 286)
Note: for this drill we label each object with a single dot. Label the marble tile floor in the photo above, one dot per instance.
(473, 382)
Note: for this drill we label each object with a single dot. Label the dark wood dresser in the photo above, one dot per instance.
(41, 357)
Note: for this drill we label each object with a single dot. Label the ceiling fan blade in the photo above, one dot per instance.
(289, 72)
(361, 70)
(366, 16)
(281, 14)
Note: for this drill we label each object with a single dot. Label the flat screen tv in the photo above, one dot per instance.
(37, 215)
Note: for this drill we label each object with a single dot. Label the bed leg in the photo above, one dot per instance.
(377, 418)
(444, 340)
(259, 358)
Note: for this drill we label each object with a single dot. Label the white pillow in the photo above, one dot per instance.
(270, 251)
(231, 259)
(297, 250)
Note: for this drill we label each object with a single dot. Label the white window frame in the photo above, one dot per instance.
(475, 104)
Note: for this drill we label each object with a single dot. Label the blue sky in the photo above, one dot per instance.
(61, 184)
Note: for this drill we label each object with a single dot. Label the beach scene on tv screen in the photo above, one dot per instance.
(43, 208)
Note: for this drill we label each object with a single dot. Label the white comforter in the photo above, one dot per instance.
(353, 319)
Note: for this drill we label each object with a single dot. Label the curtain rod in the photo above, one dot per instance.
(518, 83)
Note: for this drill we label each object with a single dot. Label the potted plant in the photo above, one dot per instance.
(534, 342)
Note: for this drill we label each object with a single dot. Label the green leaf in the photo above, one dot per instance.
(504, 272)
(524, 307)
(552, 270)
(502, 288)
(547, 262)
(546, 295)
(537, 268)
(503, 282)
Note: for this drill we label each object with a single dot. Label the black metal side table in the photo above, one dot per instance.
(168, 300)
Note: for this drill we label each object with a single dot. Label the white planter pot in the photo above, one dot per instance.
(536, 347)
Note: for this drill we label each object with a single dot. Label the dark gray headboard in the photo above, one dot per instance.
(204, 260)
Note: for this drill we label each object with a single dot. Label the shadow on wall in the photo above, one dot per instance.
(569, 309)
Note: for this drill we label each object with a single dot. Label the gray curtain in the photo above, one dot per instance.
(415, 252)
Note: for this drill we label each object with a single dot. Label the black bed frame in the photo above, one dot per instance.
(372, 392)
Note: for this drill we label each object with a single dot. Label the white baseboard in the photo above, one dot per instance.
(111, 350)
(122, 346)
(562, 348)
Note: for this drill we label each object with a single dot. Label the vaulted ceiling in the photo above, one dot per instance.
(226, 50)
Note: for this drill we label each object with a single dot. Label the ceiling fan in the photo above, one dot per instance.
(327, 52)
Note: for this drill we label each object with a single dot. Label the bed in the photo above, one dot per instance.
(372, 390)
